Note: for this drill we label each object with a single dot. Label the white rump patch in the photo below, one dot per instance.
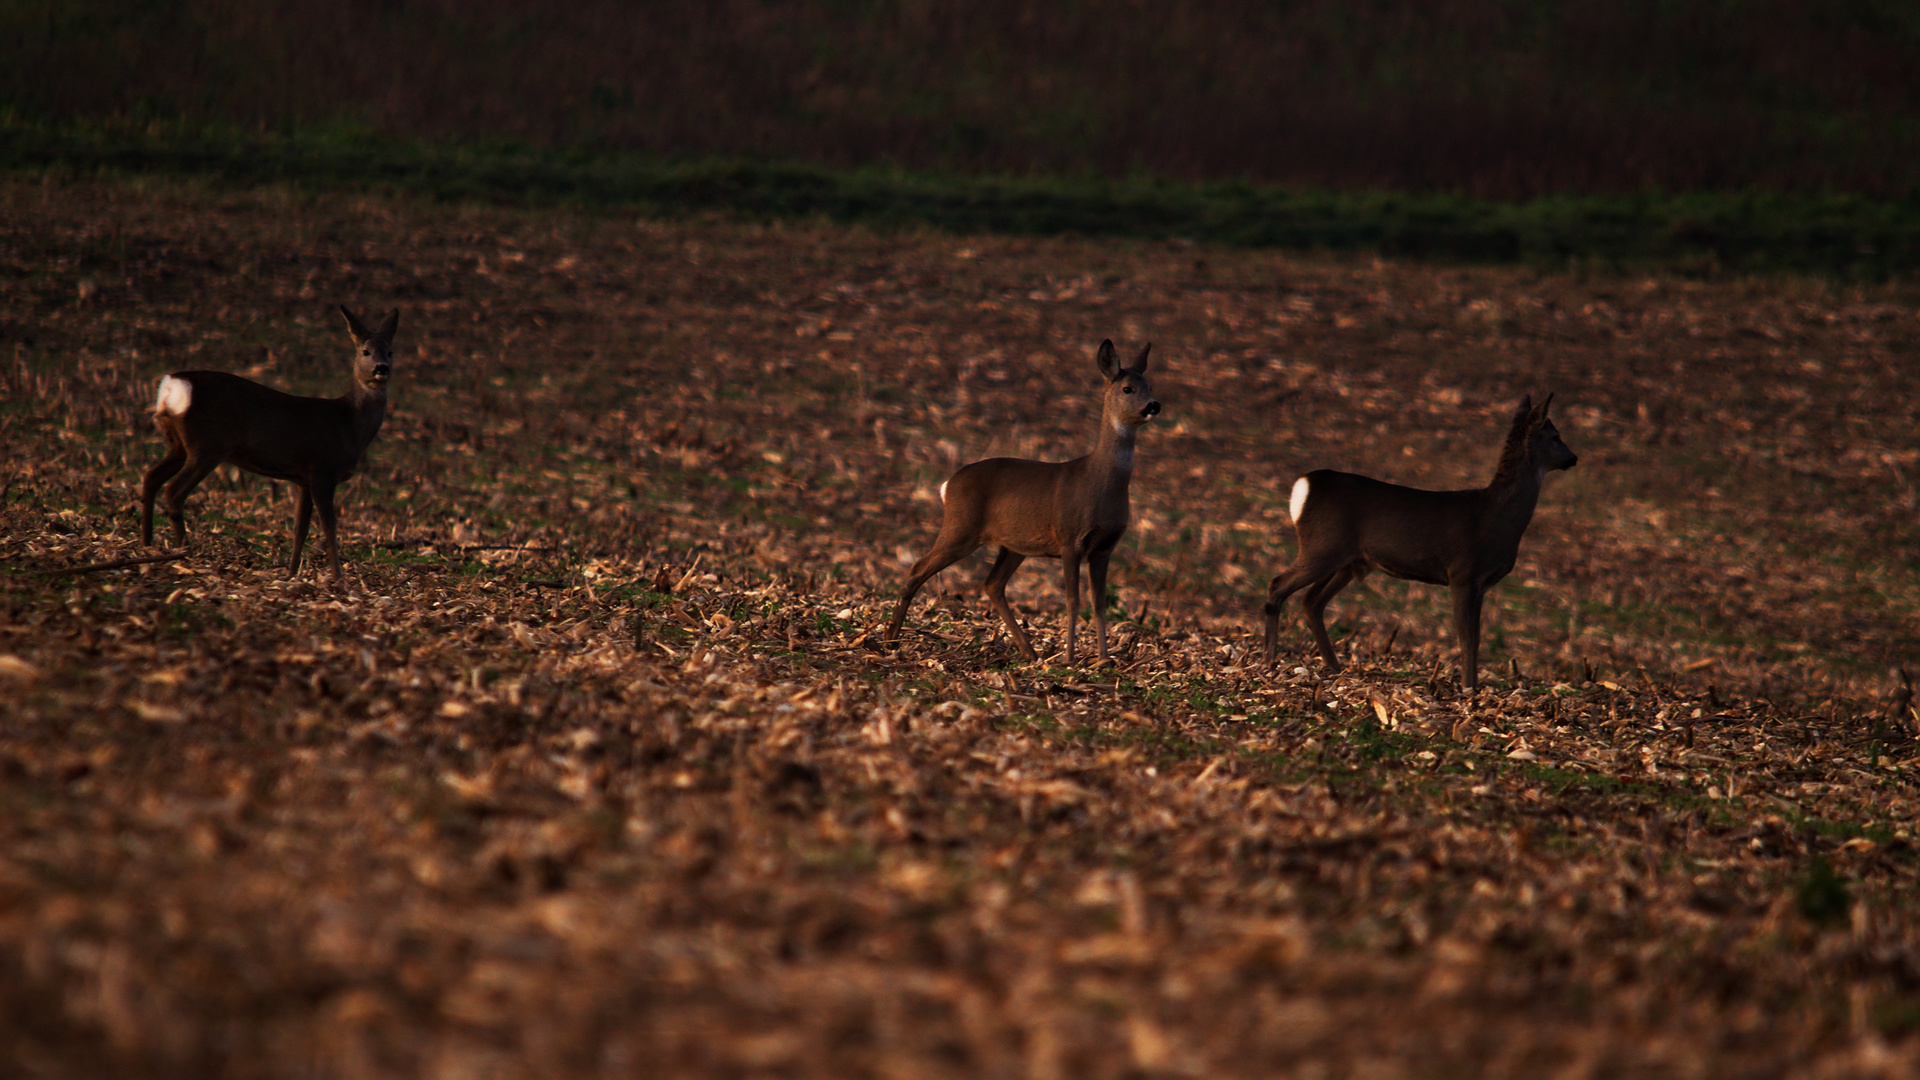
(174, 397)
(943, 493)
(1299, 500)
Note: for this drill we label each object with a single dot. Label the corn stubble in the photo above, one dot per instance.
(595, 766)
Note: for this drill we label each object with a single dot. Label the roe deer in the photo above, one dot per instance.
(1071, 510)
(208, 417)
(1349, 525)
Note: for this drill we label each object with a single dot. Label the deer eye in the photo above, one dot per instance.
(1126, 390)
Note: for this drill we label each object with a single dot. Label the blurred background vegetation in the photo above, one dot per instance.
(1804, 111)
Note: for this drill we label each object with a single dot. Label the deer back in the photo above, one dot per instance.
(263, 430)
(1046, 508)
(1013, 502)
(1408, 532)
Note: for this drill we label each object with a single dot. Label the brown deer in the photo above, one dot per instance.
(208, 417)
(1070, 510)
(1349, 525)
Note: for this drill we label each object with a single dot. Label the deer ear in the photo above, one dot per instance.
(1109, 365)
(355, 327)
(389, 326)
(1545, 405)
(1525, 411)
(1140, 362)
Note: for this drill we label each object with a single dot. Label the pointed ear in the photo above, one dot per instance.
(1545, 405)
(1140, 362)
(1109, 365)
(1525, 411)
(355, 327)
(389, 326)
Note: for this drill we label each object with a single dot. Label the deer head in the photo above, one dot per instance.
(1129, 399)
(373, 364)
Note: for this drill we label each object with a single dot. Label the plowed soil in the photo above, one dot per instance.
(594, 764)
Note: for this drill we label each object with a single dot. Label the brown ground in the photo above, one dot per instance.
(593, 766)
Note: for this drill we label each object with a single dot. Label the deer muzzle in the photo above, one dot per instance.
(1152, 410)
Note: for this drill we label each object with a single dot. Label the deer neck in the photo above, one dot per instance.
(1112, 456)
(1511, 500)
(369, 407)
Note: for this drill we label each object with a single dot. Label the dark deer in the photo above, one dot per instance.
(208, 417)
(1349, 525)
(1070, 510)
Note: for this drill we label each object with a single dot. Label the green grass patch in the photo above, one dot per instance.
(403, 559)
(1822, 895)
(182, 622)
(1702, 232)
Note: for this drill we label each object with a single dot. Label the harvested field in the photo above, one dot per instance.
(594, 767)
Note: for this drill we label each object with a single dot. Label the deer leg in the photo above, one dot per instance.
(1314, 603)
(302, 515)
(1097, 586)
(1466, 627)
(1285, 584)
(181, 486)
(1070, 565)
(159, 474)
(322, 493)
(995, 586)
(947, 550)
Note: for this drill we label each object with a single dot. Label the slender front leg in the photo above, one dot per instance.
(1466, 628)
(329, 522)
(1097, 581)
(302, 515)
(1070, 565)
